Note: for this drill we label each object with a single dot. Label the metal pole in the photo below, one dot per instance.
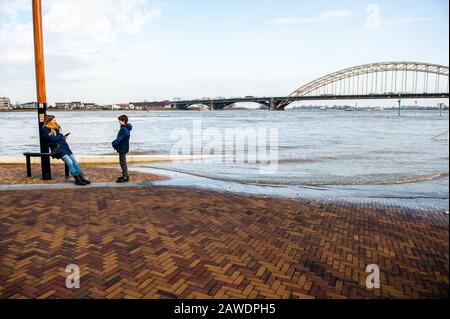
(367, 83)
(438, 83)
(417, 78)
(40, 84)
(406, 80)
(353, 87)
(396, 78)
(399, 107)
(392, 82)
(357, 89)
(376, 82)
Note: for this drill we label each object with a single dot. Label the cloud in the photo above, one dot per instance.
(412, 20)
(374, 21)
(90, 46)
(140, 19)
(71, 27)
(9, 10)
(16, 44)
(323, 17)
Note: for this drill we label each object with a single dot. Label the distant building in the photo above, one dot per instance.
(120, 107)
(63, 106)
(75, 106)
(28, 106)
(90, 106)
(5, 103)
(68, 105)
(149, 105)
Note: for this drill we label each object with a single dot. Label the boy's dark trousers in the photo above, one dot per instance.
(123, 164)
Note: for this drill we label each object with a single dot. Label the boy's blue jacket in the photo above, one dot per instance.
(122, 143)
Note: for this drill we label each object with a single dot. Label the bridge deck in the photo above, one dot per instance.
(286, 100)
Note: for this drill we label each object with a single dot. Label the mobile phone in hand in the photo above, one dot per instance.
(67, 134)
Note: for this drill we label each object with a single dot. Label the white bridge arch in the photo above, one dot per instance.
(380, 78)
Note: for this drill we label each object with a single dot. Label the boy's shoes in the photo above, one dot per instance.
(122, 180)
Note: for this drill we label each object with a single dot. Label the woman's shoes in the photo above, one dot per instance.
(88, 182)
(122, 180)
(79, 181)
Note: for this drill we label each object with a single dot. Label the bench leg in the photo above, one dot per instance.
(46, 168)
(28, 167)
(66, 170)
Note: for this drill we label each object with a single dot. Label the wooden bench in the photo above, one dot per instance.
(41, 155)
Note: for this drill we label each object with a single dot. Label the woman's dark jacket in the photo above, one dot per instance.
(57, 143)
(122, 143)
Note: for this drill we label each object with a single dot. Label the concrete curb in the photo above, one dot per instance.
(112, 159)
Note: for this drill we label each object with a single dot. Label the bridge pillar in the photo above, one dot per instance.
(275, 105)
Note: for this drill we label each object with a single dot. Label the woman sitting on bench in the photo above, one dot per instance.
(52, 132)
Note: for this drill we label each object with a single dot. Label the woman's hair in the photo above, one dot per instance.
(48, 119)
(124, 119)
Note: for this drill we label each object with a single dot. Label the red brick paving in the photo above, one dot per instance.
(168, 242)
(16, 174)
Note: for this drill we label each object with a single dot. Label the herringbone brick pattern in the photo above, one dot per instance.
(167, 242)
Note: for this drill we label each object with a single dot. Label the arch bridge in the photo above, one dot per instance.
(385, 80)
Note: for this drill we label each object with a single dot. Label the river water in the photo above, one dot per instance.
(356, 156)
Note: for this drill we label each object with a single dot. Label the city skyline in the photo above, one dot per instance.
(121, 51)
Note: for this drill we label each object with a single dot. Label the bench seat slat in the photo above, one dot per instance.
(36, 154)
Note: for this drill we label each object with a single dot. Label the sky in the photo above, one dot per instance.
(119, 51)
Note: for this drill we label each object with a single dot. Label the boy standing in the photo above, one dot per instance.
(122, 145)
